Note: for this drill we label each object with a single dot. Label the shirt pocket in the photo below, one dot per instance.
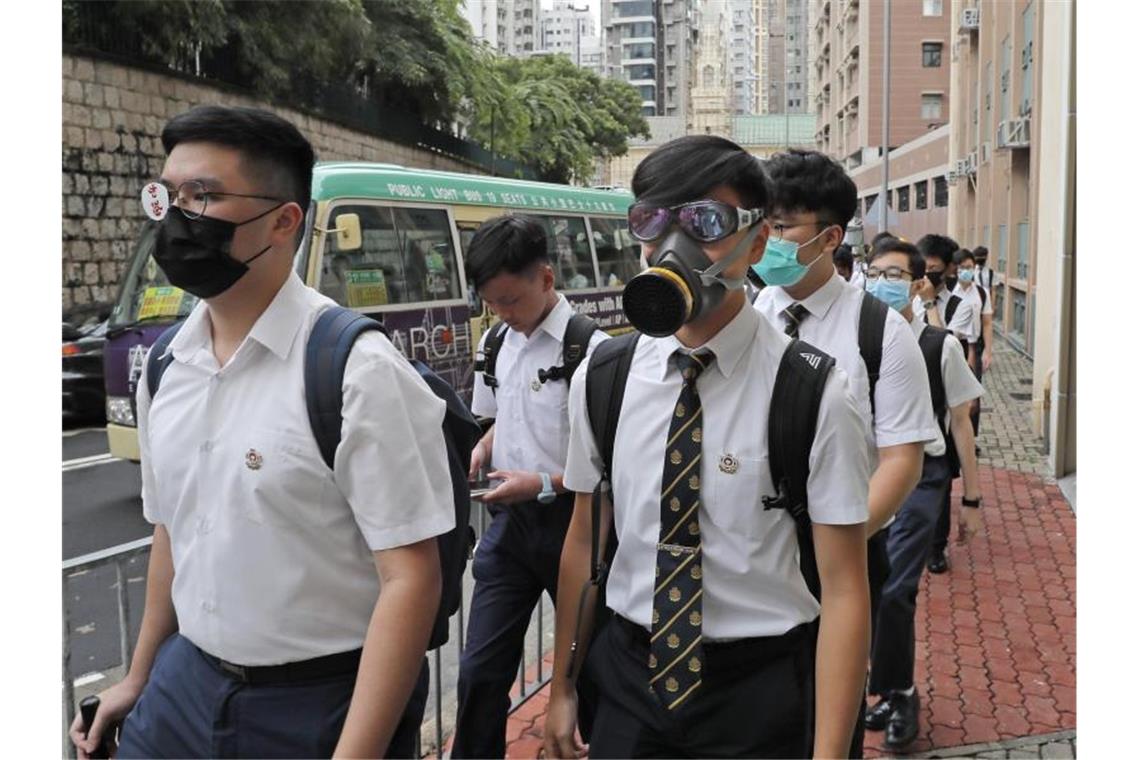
(547, 410)
(285, 483)
(738, 487)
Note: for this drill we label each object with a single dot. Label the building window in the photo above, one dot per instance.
(931, 107)
(708, 77)
(941, 195)
(1023, 250)
(920, 195)
(1006, 55)
(869, 201)
(931, 54)
(904, 198)
(986, 236)
(1027, 60)
(1017, 328)
(931, 7)
(999, 303)
(1003, 249)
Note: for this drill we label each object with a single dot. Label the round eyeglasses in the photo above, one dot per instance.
(891, 274)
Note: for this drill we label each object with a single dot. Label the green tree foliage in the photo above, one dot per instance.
(547, 112)
(414, 57)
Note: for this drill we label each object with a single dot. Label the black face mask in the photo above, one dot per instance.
(680, 285)
(935, 278)
(195, 253)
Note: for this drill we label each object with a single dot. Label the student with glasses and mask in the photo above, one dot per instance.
(895, 276)
(289, 604)
(710, 649)
(812, 201)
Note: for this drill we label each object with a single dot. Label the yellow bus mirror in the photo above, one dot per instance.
(347, 232)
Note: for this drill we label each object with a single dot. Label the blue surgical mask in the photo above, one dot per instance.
(779, 266)
(966, 275)
(893, 294)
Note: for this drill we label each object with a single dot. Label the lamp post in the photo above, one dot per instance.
(886, 113)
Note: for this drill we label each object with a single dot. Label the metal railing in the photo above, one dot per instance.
(119, 556)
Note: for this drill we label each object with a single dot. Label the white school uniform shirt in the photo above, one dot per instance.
(902, 394)
(973, 297)
(985, 276)
(750, 560)
(532, 421)
(273, 552)
(858, 279)
(963, 323)
(957, 378)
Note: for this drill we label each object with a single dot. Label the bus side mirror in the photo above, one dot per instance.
(347, 231)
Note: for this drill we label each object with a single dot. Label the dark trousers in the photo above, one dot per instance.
(192, 708)
(878, 569)
(516, 560)
(976, 411)
(942, 528)
(908, 544)
(756, 698)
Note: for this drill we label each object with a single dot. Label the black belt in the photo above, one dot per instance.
(339, 664)
(730, 655)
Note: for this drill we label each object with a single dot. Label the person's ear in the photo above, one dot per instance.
(756, 252)
(833, 238)
(547, 273)
(286, 222)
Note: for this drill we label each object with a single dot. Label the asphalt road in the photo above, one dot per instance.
(102, 508)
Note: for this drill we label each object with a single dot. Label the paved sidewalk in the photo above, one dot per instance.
(996, 636)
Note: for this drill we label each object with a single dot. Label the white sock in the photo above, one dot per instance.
(908, 692)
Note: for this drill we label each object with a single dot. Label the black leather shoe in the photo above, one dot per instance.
(902, 726)
(938, 564)
(876, 717)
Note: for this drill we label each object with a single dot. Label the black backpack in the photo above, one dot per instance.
(931, 340)
(326, 356)
(792, 415)
(951, 309)
(575, 342)
(872, 324)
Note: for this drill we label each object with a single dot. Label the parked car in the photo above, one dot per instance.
(84, 396)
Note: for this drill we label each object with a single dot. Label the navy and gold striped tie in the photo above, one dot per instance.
(676, 656)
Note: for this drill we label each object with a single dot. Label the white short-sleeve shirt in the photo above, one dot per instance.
(751, 578)
(273, 552)
(973, 296)
(902, 394)
(532, 420)
(960, 384)
(962, 325)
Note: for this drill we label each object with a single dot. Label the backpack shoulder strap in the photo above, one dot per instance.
(792, 415)
(931, 341)
(158, 359)
(326, 356)
(982, 293)
(606, 376)
(872, 323)
(951, 308)
(485, 360)
(575, 343)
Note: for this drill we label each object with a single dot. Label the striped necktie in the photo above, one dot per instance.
(676, 656)
(794, 314)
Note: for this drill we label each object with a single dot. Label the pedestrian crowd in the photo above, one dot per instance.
(731, 505)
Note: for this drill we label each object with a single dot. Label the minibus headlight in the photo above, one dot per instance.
(119, 411)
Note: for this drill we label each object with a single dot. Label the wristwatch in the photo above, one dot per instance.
(975, 503)
(929, 304)
(547, 494)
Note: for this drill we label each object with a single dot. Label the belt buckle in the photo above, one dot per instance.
(236, 671)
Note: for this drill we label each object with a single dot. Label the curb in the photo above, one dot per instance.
(973, 750)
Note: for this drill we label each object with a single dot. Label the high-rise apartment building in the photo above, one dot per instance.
(712, 94)
(651, 45)
(512, 27)
(786, 49)
(566, 28)
(847, 68)
(743, 69)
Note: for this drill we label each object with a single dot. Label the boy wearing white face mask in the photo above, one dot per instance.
(813, 199)
(895, 276)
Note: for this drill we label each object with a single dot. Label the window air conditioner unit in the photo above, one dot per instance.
(952, 177)
(972, 162)
(1013, 133)
(971, 17)
(987, 152)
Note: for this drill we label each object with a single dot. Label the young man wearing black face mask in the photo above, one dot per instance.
(710, 651)
(813, 199)
(288, 605)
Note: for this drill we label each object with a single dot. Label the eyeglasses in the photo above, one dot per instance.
(192, 198)
(779, 229)
(705, 220)
(892, 274)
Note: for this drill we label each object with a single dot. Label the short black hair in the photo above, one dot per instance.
(882, 240)
(508, 243)
(981, 252)
(843, 257)
(688, 168)
(914, 258)
(881, 235)
(962, 254)
(807, 180)
(937, 247)
(274, 150)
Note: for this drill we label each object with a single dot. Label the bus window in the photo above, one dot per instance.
(406, 256)
(619, 255)
(569, 252)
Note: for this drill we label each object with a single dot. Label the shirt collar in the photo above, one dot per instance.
(729, 345)
(274, 329)
(819, 302)
(555, 323)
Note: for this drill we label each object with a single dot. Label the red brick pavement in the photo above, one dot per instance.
(996, 636)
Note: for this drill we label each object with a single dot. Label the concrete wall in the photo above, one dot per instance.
(112, 118)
